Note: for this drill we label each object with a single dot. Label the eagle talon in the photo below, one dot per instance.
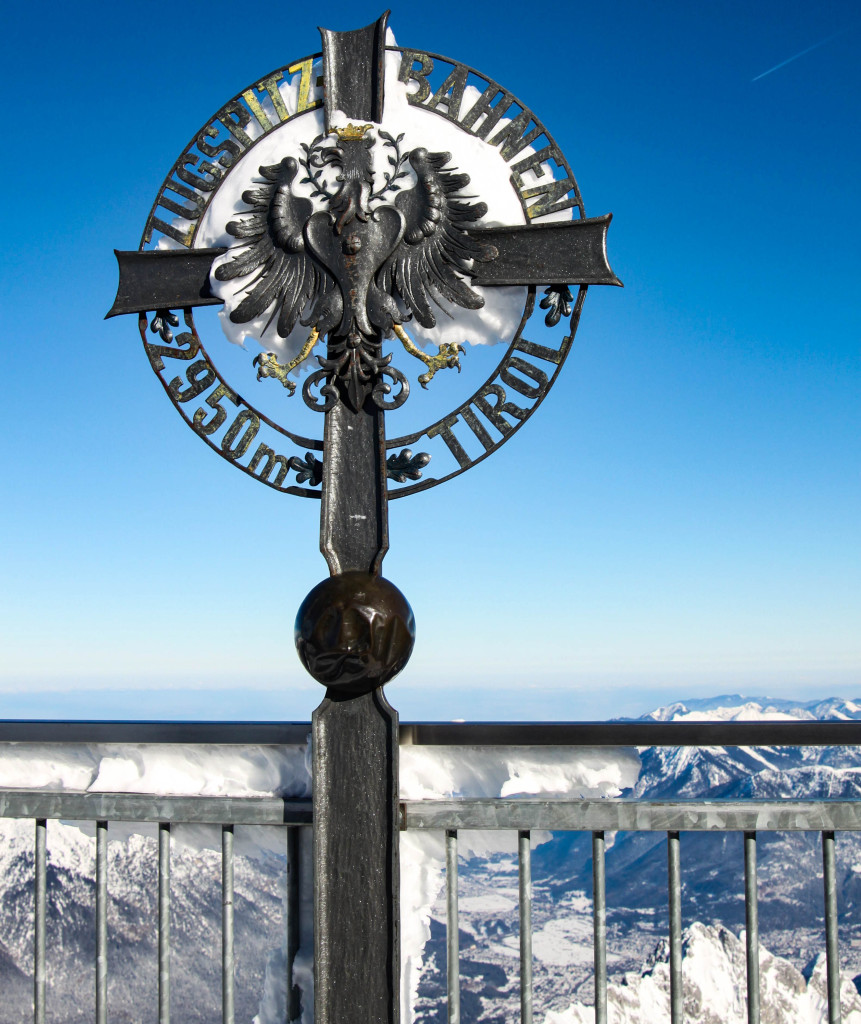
(447, 357)
(268, 366)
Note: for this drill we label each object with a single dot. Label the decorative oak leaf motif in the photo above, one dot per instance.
(557, 299)
(406, 466)
(309, 470)
(161, 324)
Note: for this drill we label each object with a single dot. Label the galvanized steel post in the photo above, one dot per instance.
(832, 953)
(40, 889)
(452, 928)
(101, 922)
(599, 925)
(227, 956)
(524, 858)
(164, 922)
(751, 917)
(674, 885)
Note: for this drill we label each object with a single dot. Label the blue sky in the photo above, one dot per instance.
(681, 516)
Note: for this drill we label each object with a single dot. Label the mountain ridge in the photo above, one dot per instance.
(789, 864)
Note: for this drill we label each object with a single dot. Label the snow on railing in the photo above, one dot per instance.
(450, 816)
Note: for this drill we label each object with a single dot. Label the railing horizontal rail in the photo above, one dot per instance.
(517, 814)
(240, 733)
(634, 815)
(524, 734)
(215, 810)
(633, 734)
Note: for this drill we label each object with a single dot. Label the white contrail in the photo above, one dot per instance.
(789, 60)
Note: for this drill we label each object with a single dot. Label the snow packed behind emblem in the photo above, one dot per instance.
(431, 223)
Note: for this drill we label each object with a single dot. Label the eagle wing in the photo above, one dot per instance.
(272, 247)
(436, 252)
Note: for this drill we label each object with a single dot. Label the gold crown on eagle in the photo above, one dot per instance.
(352, 132)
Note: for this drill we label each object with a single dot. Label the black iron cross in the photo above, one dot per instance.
(354, 631)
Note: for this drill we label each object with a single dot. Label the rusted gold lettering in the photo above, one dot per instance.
(183, 237)
(236, 119)
(200, 376)
(552, 355)
(528, 370)
(494, 411)
(157, 352)
(198, 203)
(513, 137)
(443, 430)
(408, 73)
(304, 66)
(271, 87)
(227, 147)
(475, 425)
(199, 418)
(272, 460)
(244, 416)
(450, 93)
(484, 105)
(195, 180)
(553, 198)
(257, 110)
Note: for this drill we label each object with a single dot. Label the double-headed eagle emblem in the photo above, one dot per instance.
(361, 269)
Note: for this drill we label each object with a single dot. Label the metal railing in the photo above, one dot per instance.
(103, 808)
(522, 816)
(749, 817)
(600, 816)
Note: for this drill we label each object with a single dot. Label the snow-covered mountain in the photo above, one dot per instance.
(789, 870)
(132, 912)
(713, 961)
(735, 708)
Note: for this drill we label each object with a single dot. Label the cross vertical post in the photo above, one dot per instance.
(354, 730)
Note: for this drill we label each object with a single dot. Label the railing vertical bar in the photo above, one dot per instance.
(40, 891)
(832, 955)
(293, 934)
(524, 857)
(452, 927)
(164, 922)
(599, 907)
(227, 957)
(674, 886)
(101, 922)
(751, 917)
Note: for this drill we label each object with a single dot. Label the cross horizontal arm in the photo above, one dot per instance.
(164, 279)
(570, 252)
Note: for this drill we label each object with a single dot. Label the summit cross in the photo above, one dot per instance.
(355, 630)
